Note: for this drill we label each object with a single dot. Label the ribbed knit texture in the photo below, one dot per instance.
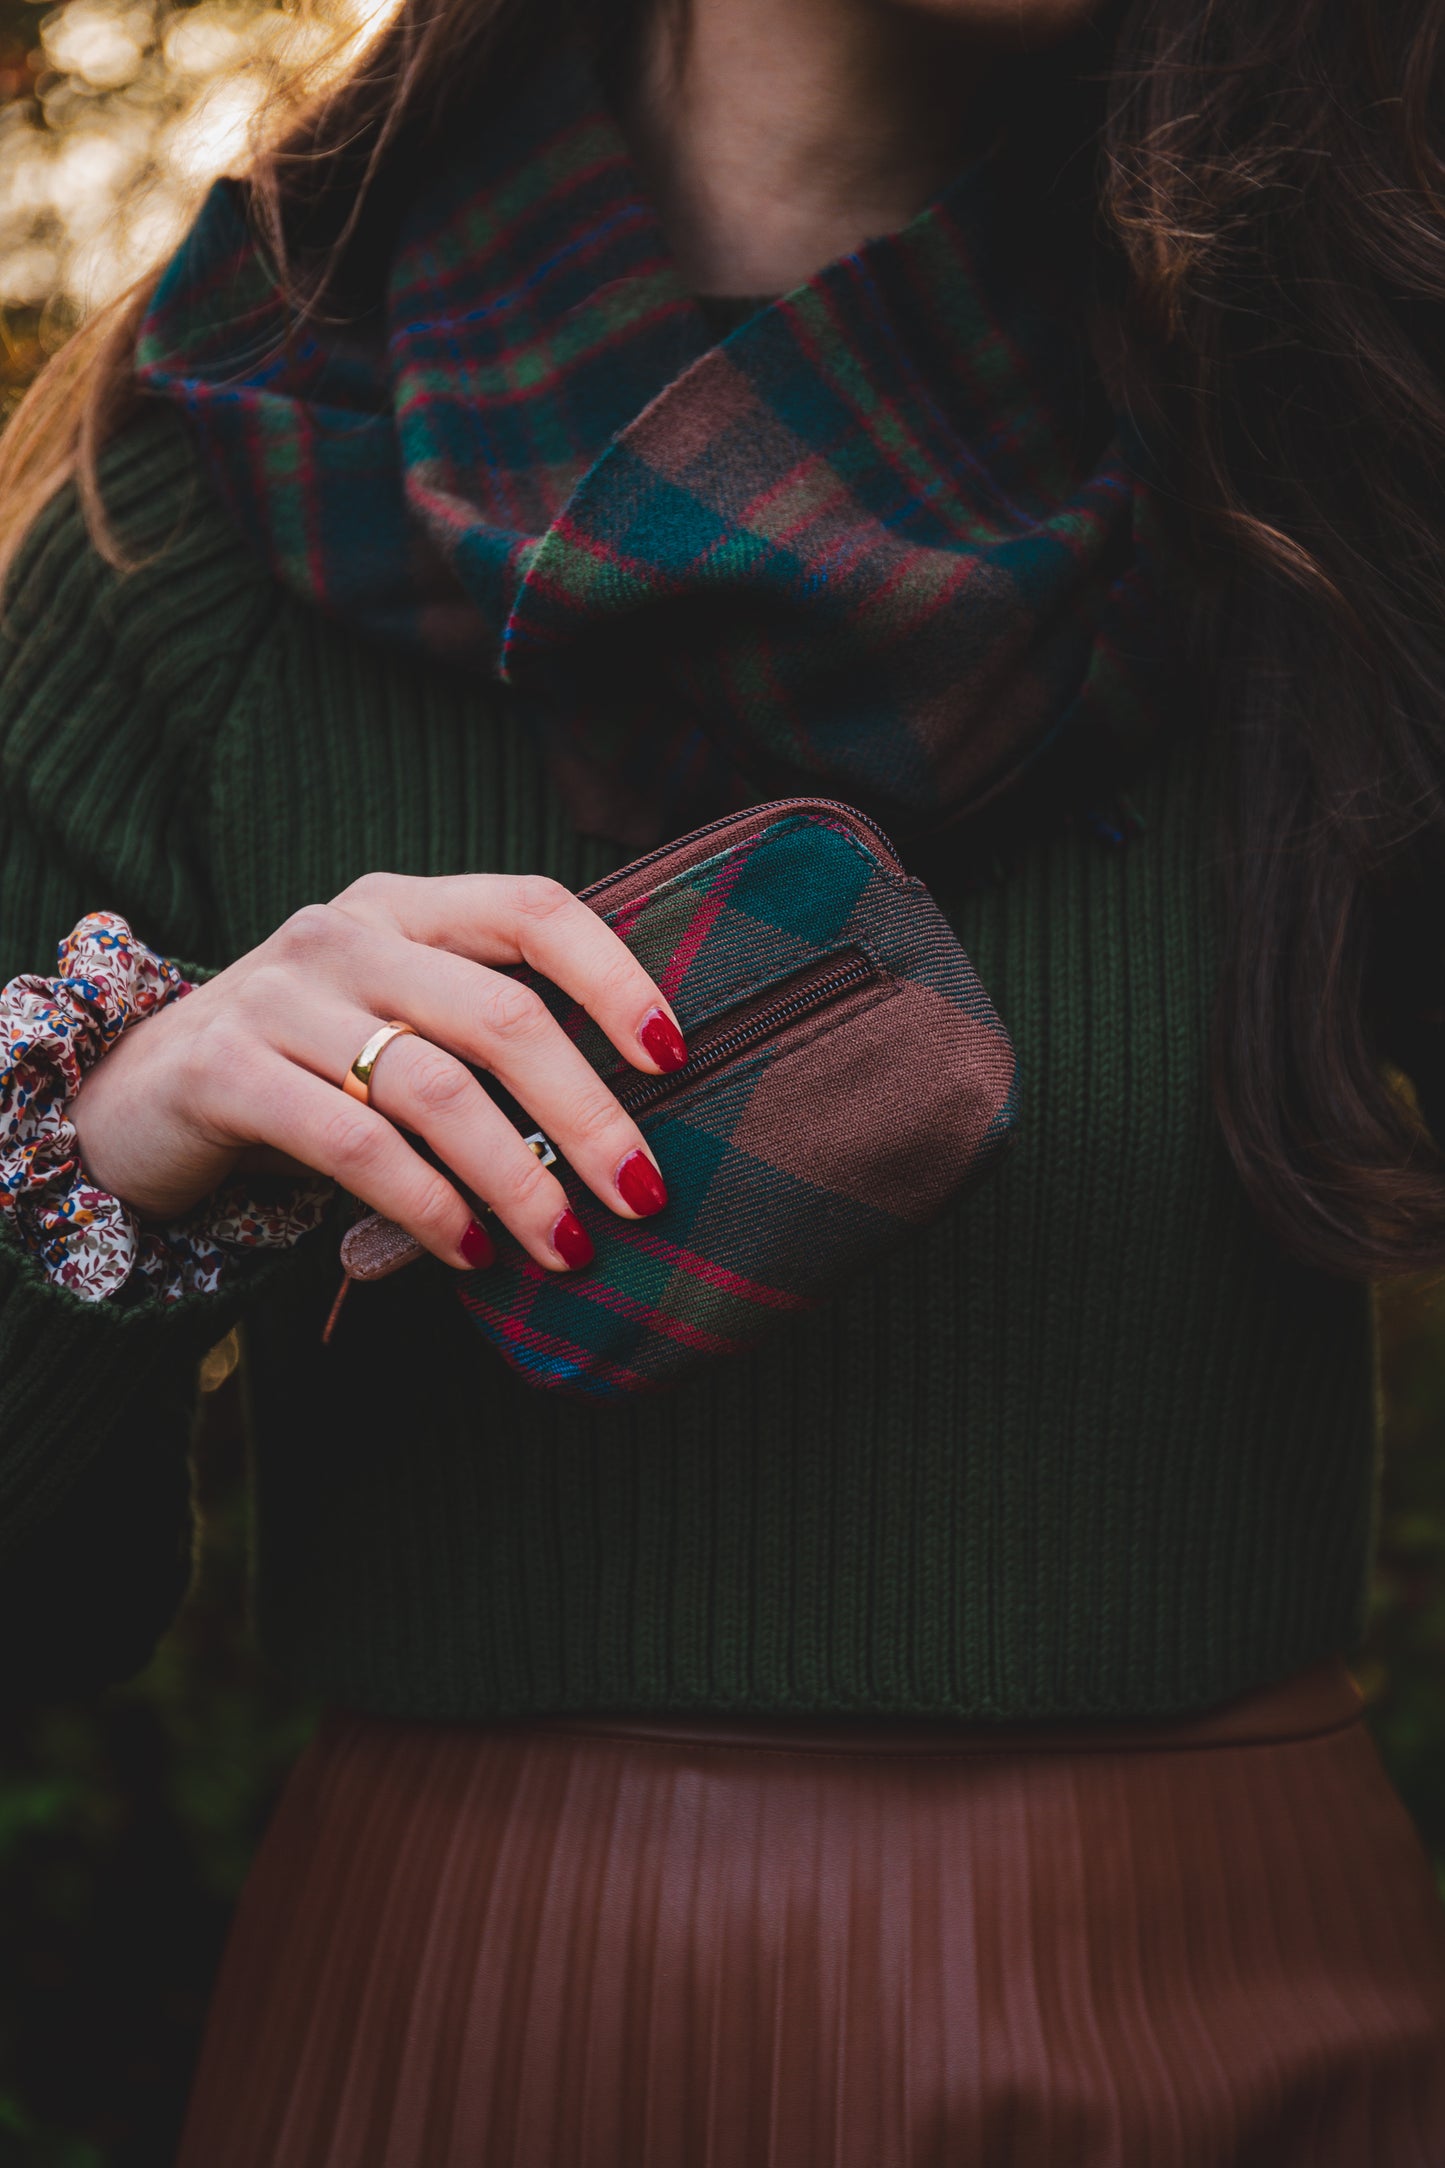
(1090, 1445)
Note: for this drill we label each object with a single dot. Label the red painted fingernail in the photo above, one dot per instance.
(571, 1241)
(476, 1246)
(662, 1039)
(640, 1186)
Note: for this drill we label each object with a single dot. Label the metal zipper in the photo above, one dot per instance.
(816, 993)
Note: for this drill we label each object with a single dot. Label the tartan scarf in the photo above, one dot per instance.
(881, 543)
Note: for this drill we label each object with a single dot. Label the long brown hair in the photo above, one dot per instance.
(1273, 193)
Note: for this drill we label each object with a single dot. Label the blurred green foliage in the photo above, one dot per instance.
(126, 1826)
(1403, 1671)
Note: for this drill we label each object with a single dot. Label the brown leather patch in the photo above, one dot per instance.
(376, 1246)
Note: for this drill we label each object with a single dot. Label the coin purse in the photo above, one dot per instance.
(847, 1077)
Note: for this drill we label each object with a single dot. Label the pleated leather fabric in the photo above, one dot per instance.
(646, 1945)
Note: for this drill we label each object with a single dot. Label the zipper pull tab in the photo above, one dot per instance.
(330, 1326)
(375, 1247)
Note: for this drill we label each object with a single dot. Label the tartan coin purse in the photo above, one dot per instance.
(847, 1075)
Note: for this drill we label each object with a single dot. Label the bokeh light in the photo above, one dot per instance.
(115, 116)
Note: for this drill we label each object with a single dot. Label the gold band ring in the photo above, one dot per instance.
(357, 1080)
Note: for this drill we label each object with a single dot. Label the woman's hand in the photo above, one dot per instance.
(249, 1066)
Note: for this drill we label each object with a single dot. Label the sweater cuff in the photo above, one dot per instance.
(52, 1031)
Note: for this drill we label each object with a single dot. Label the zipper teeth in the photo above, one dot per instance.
(651, 1089)
(732, 820)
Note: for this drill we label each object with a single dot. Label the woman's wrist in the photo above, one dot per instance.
(52, 1033)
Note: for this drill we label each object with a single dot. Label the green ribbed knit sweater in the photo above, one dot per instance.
(1091, 1445)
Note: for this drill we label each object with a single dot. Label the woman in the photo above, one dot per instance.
(928, 1737)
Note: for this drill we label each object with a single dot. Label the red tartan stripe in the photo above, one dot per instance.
(460, 393)
(533, 1284)
(821, 512)
(703, 920)
(712, 1274)
(909, 460)
(429, 280)
(628, 916)
(596, 1291)
(515, 1333)
(591, 1287)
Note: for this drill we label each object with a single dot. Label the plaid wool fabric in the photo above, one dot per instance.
(881, 543)
(797, 1158)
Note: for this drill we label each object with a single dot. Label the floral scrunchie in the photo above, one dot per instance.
(51, 1032)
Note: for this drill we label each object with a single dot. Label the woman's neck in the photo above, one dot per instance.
(777, 135)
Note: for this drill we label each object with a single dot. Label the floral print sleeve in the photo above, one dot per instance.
(51, 1032)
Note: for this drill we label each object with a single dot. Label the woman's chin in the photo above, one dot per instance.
(1018, 23)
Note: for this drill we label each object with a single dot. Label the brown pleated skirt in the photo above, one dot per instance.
(617, 1944)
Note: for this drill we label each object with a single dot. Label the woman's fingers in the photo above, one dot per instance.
(421, 1087)
(249, 1064)
(424, 1089)
(505, 1028)
(392, 946)
(318, 1125)
(494, 918)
